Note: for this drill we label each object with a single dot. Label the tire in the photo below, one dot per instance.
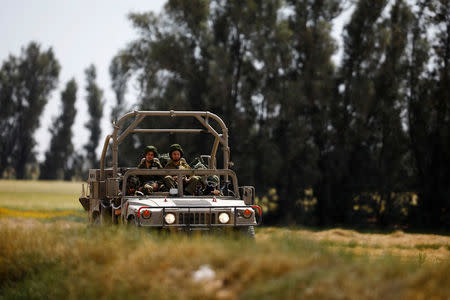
(105, 216)
(95, 221)
(247, 232)
(131, 223)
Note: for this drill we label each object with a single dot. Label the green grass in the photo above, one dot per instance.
(60, 256)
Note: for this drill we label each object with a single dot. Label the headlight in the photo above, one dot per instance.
(224, 218)
(169, 218)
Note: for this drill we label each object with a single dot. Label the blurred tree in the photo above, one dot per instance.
(119, 75)
(304, 119)
(317, 139)
(8, 78)
(436, 189)
(26, 83)
(119, 78)
(197, 57)
(95, 108)
(58, 158)
(246, 61)
(388, 144)
(417, 90)
(429, 111)
(350, 166)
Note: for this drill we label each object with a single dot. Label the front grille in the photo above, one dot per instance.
(195, 218)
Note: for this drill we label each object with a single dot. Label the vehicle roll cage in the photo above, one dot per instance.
(120, 132)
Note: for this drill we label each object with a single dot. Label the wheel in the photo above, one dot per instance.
(95, 221)
(246, 232)
(105, 215)
(131, 222)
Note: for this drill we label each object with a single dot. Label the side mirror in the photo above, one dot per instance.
(248, 194)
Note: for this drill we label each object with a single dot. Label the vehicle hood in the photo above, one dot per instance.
(192, 202)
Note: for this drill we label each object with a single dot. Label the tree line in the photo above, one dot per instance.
(26, 82)
(363, 141)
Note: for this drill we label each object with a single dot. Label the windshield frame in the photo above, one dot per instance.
(180, 173)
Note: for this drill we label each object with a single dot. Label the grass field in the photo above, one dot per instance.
(48, 251)
(40, 195)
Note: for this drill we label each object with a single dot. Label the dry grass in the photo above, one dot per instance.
(66, 259)
(40, 195)
(71, 260)
(427, 247)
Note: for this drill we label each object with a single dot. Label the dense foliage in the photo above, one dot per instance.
(59, 157)
(95, 102)
(25, 84)
(360, 142)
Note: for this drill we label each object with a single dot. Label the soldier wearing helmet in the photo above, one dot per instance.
(177, 161)
(212, 186)
(151, 183)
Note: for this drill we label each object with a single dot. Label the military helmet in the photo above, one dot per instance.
(212, 180)
(151, 149)
(133, 182)
(174, 147)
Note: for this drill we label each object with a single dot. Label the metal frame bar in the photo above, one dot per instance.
(202, 116)
(102, 159)
(129, 129)
(169, 130)
(180, 173)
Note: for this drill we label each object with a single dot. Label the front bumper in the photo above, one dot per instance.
(198, 217)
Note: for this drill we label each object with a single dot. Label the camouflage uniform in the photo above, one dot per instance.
(149, 180)
(169, 181)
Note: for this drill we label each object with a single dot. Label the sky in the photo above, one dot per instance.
(80, 33)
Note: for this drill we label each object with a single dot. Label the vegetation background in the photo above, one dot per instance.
(362, 142)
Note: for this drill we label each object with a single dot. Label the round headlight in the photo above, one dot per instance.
(224, 218)
(169, 218)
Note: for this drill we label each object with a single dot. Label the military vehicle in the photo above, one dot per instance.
(107, 198)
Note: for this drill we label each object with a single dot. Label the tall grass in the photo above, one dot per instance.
(70, 260)
(47, 251)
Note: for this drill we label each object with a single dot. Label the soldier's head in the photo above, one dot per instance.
(175, 152)
(212, 181)
(150, 152)
(133, 182)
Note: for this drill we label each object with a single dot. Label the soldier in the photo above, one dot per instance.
(151, 183)
(132, 185)
(212, 186)
(177, 161)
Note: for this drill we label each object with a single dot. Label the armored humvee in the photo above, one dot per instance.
(106, 199)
